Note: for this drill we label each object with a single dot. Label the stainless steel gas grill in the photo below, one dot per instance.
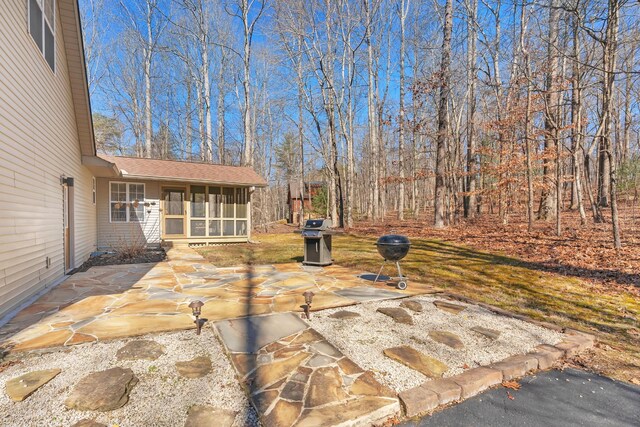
(317, 242)
(393, 247)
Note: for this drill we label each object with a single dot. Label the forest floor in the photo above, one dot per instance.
(575, 281)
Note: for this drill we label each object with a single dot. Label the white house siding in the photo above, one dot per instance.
(38, 144)
(114, 235)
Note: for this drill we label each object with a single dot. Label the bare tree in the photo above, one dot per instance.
(249, 13)
(403, 10)
(472, 18)
(443, 121)
(148, 34)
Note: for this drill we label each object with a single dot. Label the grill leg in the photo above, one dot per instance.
(379, 272)
(399, 272)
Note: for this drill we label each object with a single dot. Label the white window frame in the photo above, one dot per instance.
(45, 22)
(222, 217)
(93, 192)
(128, 202)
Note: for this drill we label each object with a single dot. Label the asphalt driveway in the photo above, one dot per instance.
(554, 398)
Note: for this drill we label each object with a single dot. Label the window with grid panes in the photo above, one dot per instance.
(227, 211)
(126, 202)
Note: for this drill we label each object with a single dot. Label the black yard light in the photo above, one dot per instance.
(308, 297)
(196, 309)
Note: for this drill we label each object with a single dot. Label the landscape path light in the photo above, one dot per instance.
(196, 309)
(308, 297)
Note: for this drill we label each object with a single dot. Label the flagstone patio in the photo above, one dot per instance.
(109, 302)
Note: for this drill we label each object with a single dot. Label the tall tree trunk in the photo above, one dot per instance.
(404, 9)
(604, 170)
(527, 120)
(249, 19)
(201, 119)
(373, 208)
(610, 54)
(148, 55)
(300, 128)
(221, 128)
(443, 123)
(552, 99)
(470, 205)
(206, 93)
(576, 120)
(188, 119)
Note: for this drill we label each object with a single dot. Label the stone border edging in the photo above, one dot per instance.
(432, 394)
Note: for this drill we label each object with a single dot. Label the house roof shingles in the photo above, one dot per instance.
(165, 170)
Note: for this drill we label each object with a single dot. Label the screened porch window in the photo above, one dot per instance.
(218, 211)
(126, 202)
(198, 210)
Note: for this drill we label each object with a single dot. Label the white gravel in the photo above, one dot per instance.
(161, 397)
(363, 339)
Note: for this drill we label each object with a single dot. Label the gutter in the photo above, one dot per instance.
(99, 162)
(191, 180)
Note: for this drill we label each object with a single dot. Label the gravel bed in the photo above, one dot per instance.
(363, 339)
(161, 397)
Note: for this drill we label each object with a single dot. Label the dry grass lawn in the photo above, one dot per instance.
(508, 283)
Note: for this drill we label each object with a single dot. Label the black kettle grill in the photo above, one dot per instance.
(393, 247)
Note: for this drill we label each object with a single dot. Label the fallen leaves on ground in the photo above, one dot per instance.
(584, 251)
(513, 385)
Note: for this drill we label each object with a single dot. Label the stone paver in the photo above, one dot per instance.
(344, 314)
(87, 422)
(489, 333)
(368, 293)
(417, 400)
(364, 411)
(119, 301)
(247, 335)
(140, 350)
(207, 416)
(447, 390)
(195, 368)
(427, 365)
(102, 391)
(449, 306)
(476, 380)
(516, 366)
(447, 338)
(25, 385)
(300, 378)
(575, 342)
(546, 355)
(399, 315)
(412, 305)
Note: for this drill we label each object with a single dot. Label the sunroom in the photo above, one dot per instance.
(148, 201)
